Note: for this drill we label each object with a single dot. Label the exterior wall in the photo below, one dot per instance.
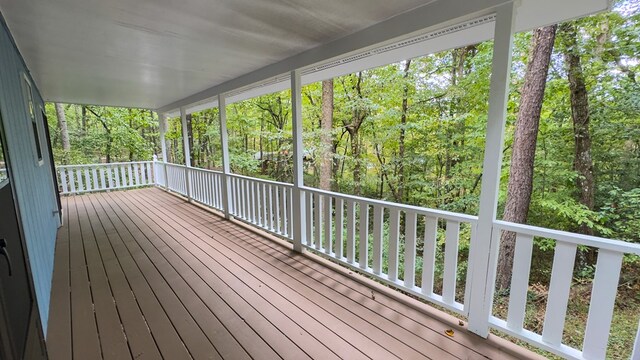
(33, 182)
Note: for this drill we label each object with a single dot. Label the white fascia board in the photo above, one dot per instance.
(434, 44)
(435, 14)
(533, 13)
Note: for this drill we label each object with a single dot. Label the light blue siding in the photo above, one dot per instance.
(32, 182)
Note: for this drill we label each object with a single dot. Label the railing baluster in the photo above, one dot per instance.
(265, 206)
(149, 173)
(378, 219)
(103, 181)
(328, 236)
(309, 217)
(519, 281)
(94, 176)
(63, 180)
(364, 235)
(72, 181)
(213, 190)
(254, 203)
(130, 172)
(259, 204)
(351, 231)
(87, 179)
(143, 174)
(410, 249)
(109, 169)
(123, 173)
(80, 180)
(394, 232)
(270, 214)
(136, 171)
(429, 254)
(317, 222)
(290, 212)
(452, 235)
(283, 210)
(559, 288)
(339, 225)
(603, 298)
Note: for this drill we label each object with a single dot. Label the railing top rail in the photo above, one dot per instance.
(447, 215)
(172, 164)
(206, 170)
(103, 164)
(261, 180)
(565, 236)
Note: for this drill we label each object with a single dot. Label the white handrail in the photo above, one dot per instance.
(448, 215)
(573, 238)
(76, 179)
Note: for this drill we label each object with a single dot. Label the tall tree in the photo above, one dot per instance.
(326, 141)
(582, 161)
(62, 125)
(192, 153)
(359, 112)
(399, 194)
(524, 146)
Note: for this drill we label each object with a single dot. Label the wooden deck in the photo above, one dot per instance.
(142, 274)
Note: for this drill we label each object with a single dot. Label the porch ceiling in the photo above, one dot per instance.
(145, 53)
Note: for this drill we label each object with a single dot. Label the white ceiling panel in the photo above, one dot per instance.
(150, 53)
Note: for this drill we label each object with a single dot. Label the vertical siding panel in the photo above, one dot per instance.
(33, 183)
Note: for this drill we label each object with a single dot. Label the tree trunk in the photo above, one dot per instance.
(83, 123)
(190, 140)
(355, 152)
(582, 161)
(524, 146)
(399, 196)
(62, 124)
(326, 138)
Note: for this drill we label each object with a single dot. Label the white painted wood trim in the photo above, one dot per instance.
(481, 291)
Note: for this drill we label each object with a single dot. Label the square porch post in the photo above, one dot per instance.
(224, 143)
(162, 120)
(186, 152)
(484, 245)
(299, 223)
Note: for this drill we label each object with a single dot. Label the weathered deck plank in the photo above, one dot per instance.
(144, 274)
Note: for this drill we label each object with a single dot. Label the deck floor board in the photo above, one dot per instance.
(144, 274)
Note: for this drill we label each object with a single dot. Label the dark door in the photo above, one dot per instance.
(18, 315)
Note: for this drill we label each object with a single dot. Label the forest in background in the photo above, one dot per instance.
(413, 132)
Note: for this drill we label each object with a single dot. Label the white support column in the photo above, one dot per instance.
(162, 120)
(482, 247)
(299, 208)
(186, 151)
(226, 169)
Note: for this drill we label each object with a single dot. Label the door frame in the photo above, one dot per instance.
(34, 307)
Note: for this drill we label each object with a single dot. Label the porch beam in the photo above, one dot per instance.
(186, 151)
(299, 223)
(484, 248)
(224, 143)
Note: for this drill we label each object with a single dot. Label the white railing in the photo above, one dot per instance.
(176, 178)
(337, 224)
(76, 179)
(603, 294)
(3, 174)
(263, 203)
